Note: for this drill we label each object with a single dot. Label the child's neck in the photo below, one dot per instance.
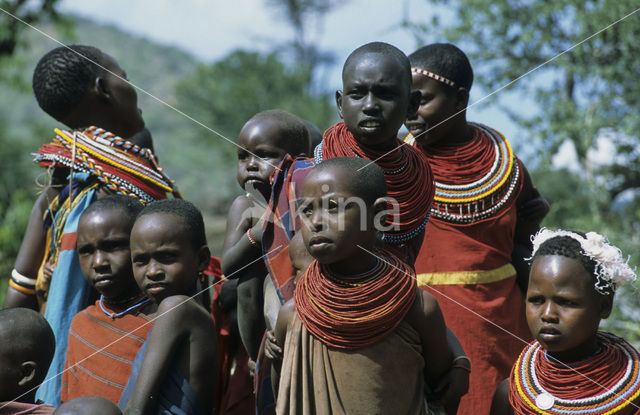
(387, 145)
(122, 300)
(353, 267)
(584, 351)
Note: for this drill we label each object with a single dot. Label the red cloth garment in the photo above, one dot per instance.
(100, 353)
(465, 259)
(605, 383)
(21, 408)
(234, 388)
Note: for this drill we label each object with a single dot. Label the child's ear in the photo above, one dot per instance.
(606, 305)
(101, 88)
(204, 257)
(414, 103)
(462, 98)
(28, 372)
(339, 102)
(380, 211)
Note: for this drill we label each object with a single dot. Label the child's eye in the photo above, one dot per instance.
(535, 299)
(84, 250)
(333, 204)
(565, 302)
(242, 155)
(307, 210)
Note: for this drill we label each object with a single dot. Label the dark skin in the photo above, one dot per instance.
(563, 312)
(332, 235)
(261, 149)
(441, 120)
(110, 103)
(375, 100)
(166, 267)
(104, 254)
(95, 405)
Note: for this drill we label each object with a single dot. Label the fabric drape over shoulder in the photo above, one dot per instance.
(384, 378)
(465, 258)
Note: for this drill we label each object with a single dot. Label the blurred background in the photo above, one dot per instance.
(574, 121)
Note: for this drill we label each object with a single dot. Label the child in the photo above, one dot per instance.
(571, 367)
(482, 219)
(94, 405)
(262, 144)
(359, 336)
(375, 100)
(99, 106)
(99, 357)
(177, 365)
(26, 350)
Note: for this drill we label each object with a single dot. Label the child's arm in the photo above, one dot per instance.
(170, 338)
(31, 251)
(238, 248)
(531, 209)
(426, 318)
(500, 404)
(285, 316)
(455, 383)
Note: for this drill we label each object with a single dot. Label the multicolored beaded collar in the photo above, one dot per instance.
(119, 164)
(480, 198)
(604, 384)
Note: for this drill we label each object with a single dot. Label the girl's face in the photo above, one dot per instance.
(563, 308)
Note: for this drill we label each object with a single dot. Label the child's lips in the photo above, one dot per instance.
(548, 333)
(155, 288)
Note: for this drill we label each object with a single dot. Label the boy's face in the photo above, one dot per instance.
(127, 117)
(437, 103)
(261, 137)
(103, 252)
(375, 99)
(331, 219)
(563, 308)
(164, 260)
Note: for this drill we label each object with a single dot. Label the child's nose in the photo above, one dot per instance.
(549, 312)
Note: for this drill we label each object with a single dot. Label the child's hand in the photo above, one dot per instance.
(452, 386)
(47, 272)
(271, 348)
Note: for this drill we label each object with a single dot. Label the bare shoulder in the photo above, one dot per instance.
(240, 202)
(182, 310)
(286, 313)
(425, 305)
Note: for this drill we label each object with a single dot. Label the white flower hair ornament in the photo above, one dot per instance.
(611, 271)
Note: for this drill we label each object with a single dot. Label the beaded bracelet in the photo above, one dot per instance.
(251, 240)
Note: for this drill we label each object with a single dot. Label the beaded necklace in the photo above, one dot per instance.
(122, 313)
(119, 164)
(355, 311)
(539, 384)
(406, 172)
(474, 180)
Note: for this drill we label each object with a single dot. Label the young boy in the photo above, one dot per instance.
(263, 142)
(482, 219)
(100, 107)
(26, 349)
(571, 367)
(177, 365)
(359, 336)
(94, 405)
(105, 337)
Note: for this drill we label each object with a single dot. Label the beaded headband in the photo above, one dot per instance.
(611, 271)
(435, 76)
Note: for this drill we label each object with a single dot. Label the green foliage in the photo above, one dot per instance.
(587, 93)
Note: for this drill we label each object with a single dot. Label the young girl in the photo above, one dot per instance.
(571, 367)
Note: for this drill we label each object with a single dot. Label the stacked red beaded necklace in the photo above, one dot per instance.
(406, 172)
(475, 180)
(606, 383)
(350, 312)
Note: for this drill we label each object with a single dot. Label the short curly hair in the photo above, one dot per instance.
(569, 247)
(187, 211)
(63, 76)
